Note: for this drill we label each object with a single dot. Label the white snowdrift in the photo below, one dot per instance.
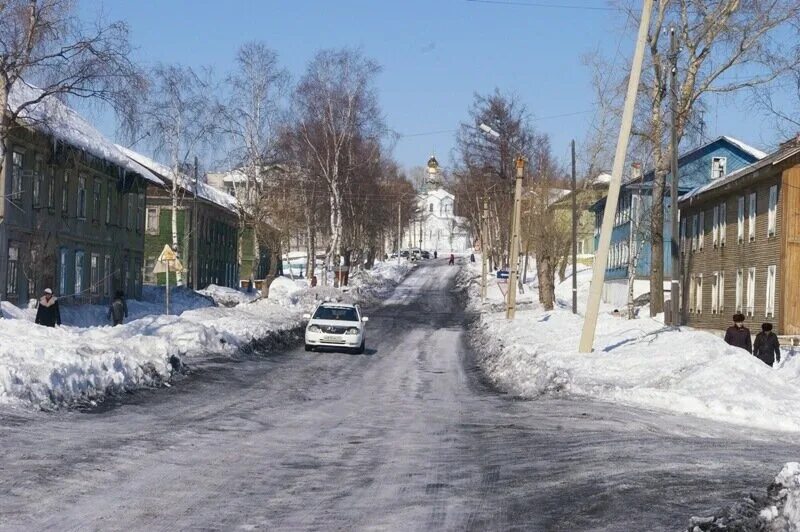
(638, 362)
(47, 367)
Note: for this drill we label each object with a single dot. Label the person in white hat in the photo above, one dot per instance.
(48, 314)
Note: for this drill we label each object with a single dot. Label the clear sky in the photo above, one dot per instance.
(435, 55)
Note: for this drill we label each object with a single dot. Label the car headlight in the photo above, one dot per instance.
(353, 330)
(314, 329)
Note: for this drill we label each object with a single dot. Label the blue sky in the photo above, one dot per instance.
(435, 55)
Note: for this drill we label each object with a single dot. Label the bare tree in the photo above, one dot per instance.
(725, 46)
(335, 103)
(46, 52)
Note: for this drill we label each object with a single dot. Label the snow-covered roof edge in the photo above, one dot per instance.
(205, 190)
(53, 117)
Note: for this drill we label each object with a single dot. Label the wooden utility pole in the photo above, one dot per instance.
(513, 259)
(675, 287)
(195, 234)
(601, 257)
(484, 247)
(399, 232)
(574, 234)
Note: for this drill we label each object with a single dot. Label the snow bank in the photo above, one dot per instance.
(778, 510)
(229, 297)
(49, 367)
(638, 362)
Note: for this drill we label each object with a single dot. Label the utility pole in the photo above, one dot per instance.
(601, 258)
(574, 234)
(195, 234)
(399, 233)
(484, 247)
(511, 306)
(676, 257)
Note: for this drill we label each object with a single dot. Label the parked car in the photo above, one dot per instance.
(426, 254)
(336, 325)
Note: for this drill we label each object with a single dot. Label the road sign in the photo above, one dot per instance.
(167, 261)
(502, 274)
(167, 254)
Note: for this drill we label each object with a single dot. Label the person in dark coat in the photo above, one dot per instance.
(47, 313)
(738, 335)
(435, 254)
(452, 259)
(767, 347)
(118, 310)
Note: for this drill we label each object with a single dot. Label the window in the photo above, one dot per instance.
(63, 264)
(683, 235)
(78, 273)
(715, 228)
(109, 191)
(37, 181)
(771, 281)
(721, 292)
(151, 222)
(95, 275)
(51, 188)
(65, 194)
(98, 194)
(723, 223)
(699, 293)
(772, 216)
(139, 212)
(430, 207)
(692, 293)
(715, 293)
(739, 289)
(751, 218)
(694, 232)
(719, 167)
(81, 198)
(108, 275)
(17, 173)
(751, 291)
(740, 220)
(12, 274)
(702, 227)
(131, 208)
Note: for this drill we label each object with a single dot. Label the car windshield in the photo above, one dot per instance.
(336, 313)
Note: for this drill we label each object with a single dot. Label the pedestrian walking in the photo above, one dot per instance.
(435, 255)
(452, 259)
(738, 335)
(472, 257)
(118, 310)
(47, 313)
(767, 348)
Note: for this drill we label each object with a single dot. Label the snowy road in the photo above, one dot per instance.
(406, 437)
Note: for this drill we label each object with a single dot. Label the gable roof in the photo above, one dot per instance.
(204, 190)
(53, 117)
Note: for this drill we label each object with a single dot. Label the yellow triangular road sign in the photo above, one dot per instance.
(167, 254)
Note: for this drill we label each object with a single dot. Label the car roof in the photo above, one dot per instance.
(337, 305)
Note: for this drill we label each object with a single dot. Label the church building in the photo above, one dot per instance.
(435, 226)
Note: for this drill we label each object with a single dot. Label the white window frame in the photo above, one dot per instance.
(107, 274)
(715, 292)
(63, 264)
(51, 187)
(17, 175)
(723, 223)
(12, 272)
(715, 227)
(65, 193)
(692, 293)
(38, 175)
(81, 198)
(739, 290)
(79, 267)
(702, 230)
(720, 163)
(699, 293)
(152, 228)
(751, 216)
(772, 279)
(694, 233)
(772, 216)
(721, 291)
(94, 267)
(751, 291)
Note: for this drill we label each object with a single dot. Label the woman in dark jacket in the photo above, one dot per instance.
(48, 314)
(767, 347)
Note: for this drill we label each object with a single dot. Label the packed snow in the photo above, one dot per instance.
(84, 360)
(637, 362)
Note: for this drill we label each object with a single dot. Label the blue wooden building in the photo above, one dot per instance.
(631, 241)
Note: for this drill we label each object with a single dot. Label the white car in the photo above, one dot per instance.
(336, 325)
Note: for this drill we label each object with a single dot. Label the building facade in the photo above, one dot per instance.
(74, 216)
(631, 248)
(435, 227)
(740, 246)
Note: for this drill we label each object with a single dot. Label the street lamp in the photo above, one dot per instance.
(489, 131)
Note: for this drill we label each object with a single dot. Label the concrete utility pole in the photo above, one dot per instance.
(601, 257)
(195, 234)
(513, 259)
(399, 232)
(484, 247)
(675, 287)
(574, 234)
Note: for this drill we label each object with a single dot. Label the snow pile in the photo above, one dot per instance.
(48, 367)
(778, 510)
(638, 362)
(229, 297)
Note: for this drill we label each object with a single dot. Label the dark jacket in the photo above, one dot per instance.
(739, 338)
(48, 314)
(767, 347)
(118, 310)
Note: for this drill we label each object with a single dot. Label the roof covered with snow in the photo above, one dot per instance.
(53, 117)
(205, 191)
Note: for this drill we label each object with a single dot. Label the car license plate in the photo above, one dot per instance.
(332, 340)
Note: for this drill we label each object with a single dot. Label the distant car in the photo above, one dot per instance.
(405, 253)
(502, 274)
(426, 254)
(336, 325)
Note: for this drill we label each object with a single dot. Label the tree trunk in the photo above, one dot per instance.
(657, 240)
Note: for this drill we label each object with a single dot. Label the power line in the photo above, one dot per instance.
(544, 5)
